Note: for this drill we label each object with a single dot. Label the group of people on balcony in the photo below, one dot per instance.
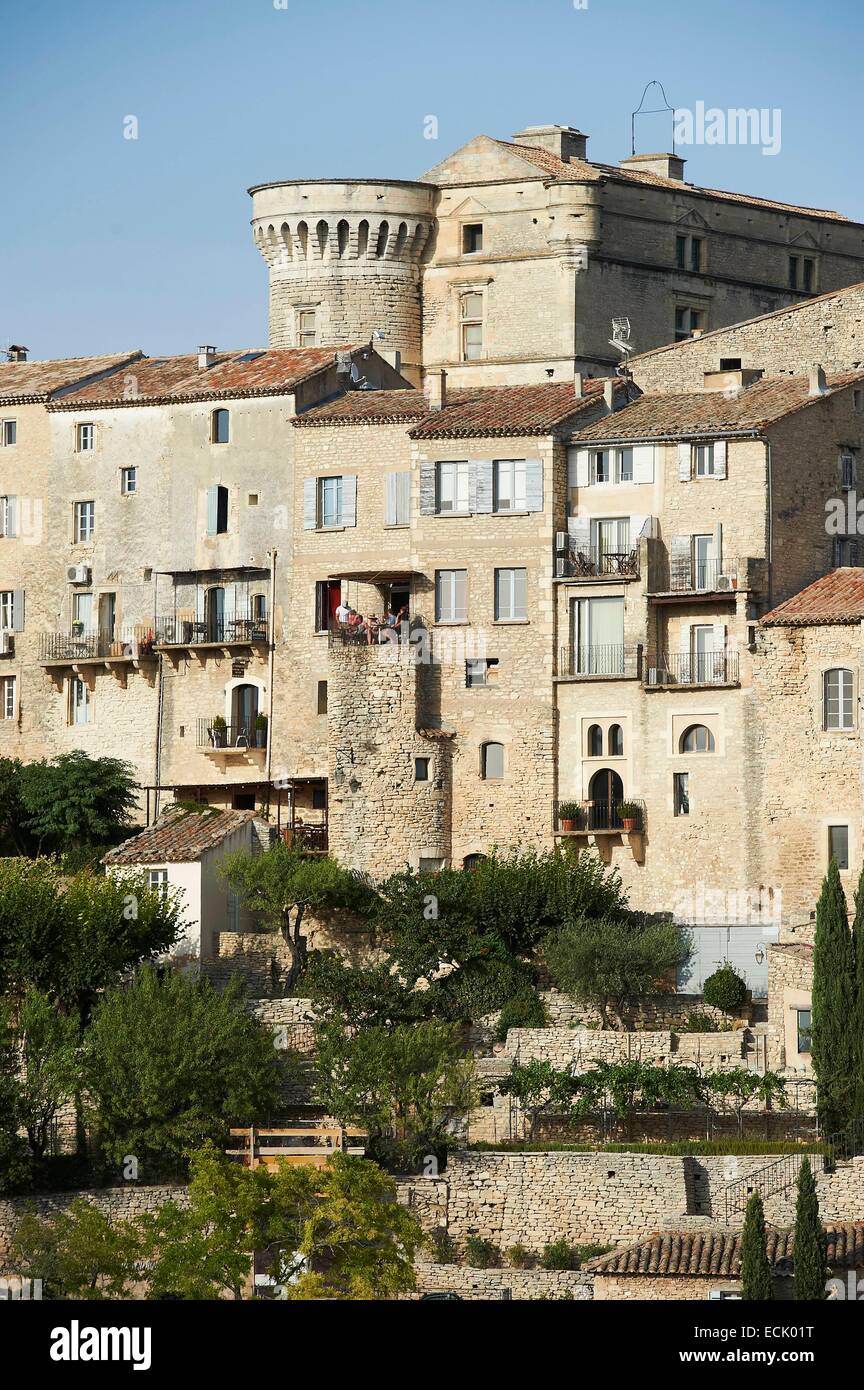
(372, 629)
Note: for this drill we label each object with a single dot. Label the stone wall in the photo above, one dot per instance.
(117, 1203)
(490, 1284)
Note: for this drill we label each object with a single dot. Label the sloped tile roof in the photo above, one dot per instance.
(475, 412)
(717, 1253)
(366, 408)
(834, 599)
(247, 372)
(26, 382)
(665, 415)
(179, 837)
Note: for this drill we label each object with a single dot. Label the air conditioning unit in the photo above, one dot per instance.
(726, 582)
(657, 676)
(560, 541)
(78, 574)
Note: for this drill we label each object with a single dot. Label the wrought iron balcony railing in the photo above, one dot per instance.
(592, 562)
(592, 816)
(701, 576)
(612, 661)
(237, 628)
(241, 733)
(698, 668)
(77, 645)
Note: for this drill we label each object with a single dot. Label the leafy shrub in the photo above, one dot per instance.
(700, 1023)
(725, 989)
(524, 1010)
(441, 1245)
(482, 1254)
(519, 1256)
(559, 1254)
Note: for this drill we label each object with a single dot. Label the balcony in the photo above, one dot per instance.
(699, 578)
(593, 562)
(600, 663)
(696, 669)
(240, 628)
(76, 649)
(239, 738)
(602, 818)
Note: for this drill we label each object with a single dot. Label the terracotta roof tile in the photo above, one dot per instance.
(366, 408)
(509, 410)
(717, 1253)
(836, 598)
(22, 382)
(252, 372)
(179, 837)
(668, 416)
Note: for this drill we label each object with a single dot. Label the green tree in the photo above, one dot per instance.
(48, 1047)
(360, 996)
(284, 884)
(756, 1283)
(732, 1089)
(170, 1063)
(610, 961)
(540, 1089)
(79, 1253)
(74, 800)
(72, 937)
(15, 1157)
(834, 1046)
(407, 1085)
(13, 831)
(811, 1242)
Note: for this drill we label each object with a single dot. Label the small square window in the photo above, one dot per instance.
(85, 438)
(128, 480)
(252, 499)
(480, 671)
(421, 769)
(9, 433)
(472, 238)
(838, 845)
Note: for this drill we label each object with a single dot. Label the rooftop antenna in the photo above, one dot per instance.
(620, 340)
(642, 110)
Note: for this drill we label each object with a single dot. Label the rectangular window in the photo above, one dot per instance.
(598, 637)
(220, 427)
(681, 252)
(838, 698)
(704, 562)
(703, 455)
(8, 523)
(451, 596)
(804, 1029)
(8, 693)
(689, 322)
(322, 697)
(793, 272)
(696, 253)
(453, 488)
(307, 335)
(79, 701)
(421, 769)
(128, 480)
(472, 238)
(157, 880)
(492, 765)
(472, 327)
(509, 485)
(85, 438)
(85, 522)
(612, 466)
(480, 671)
(838, 845)
(7, 606)
(624, 461)
(328, 597)
(329, 501)
(681, 793)
(809, 275)
(82, 614)
(8, 433)
(510, 595)
(848, 469)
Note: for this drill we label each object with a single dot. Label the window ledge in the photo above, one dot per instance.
(511, 622)
(328, 529)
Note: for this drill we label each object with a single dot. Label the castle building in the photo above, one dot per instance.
(507, 261)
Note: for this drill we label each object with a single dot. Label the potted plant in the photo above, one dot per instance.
(77, 628)
(261, 730)
(629, 814)
(568, 815)
(218, 731)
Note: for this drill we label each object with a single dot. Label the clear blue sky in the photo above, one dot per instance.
(108, 243)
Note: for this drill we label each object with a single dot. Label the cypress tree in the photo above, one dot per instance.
(755, 1270)
(834, 1047)
(858, 1016)
(811, 1243)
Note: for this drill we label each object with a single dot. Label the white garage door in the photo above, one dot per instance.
(744, 947)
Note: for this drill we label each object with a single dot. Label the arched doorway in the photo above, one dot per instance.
(605, 792)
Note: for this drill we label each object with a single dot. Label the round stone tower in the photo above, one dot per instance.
(345, 261)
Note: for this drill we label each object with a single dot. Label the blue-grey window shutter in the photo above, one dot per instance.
(520, 594)
(18, 610)
(427, 488)
(403, 498)
(349, 499)
(684, 458)
(391, 503)
(11, 516)
(534, 485)
(212, 511)
(310, 504)
(483, 497)
(472, 488)
(720, 459)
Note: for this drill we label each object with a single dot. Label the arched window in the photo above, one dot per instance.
(616, 741)
(220, 428)
(837, 699)
(595, 741)
(303, 238)
(473, 861)
(363, 238)
(492, 762)
(343, 236)
(383, 238)
(323, 234)
(697, 739)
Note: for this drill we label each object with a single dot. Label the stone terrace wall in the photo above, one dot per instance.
(488, 1284)
(655, 1012)
(120, 1203)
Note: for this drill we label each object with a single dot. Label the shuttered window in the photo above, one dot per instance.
(451, 596)
(510, 595)
(838, 699)
(492, 762)
(397, 499)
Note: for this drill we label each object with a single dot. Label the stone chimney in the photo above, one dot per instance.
(435, 387)
(609, 395)
(16, 353)
(669, 166)
(818, 384)
(206, 357)
(564, 141)
(578, 384)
